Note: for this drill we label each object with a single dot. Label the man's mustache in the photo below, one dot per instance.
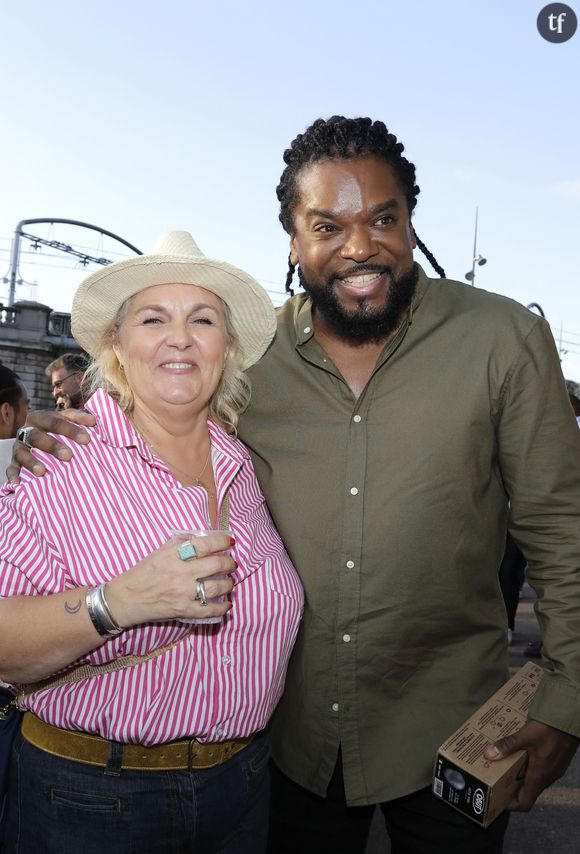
(359, 269)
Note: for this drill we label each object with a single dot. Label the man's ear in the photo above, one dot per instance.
(293, 251)
(412, 237)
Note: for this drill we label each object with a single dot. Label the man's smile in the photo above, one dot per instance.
(362, 279)
(364, 283)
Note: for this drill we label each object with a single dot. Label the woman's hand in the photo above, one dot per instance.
(161, 587)
(164, 587)
(44, 421)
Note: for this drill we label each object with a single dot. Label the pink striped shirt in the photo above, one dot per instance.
(91, 519)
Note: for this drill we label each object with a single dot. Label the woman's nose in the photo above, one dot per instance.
(180, 335)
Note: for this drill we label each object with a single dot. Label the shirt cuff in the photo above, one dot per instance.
(557, 703)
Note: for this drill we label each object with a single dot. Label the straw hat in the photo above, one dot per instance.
(175, 259)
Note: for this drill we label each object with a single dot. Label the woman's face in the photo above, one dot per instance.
(172, 344)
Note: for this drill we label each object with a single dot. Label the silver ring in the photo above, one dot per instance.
(22, 435)
(201, 593)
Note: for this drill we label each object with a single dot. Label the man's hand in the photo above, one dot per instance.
(44, 421)
(549, 750)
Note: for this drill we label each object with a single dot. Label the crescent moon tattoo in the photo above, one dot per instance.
(72, 609)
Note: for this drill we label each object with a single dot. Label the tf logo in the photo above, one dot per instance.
(557, 22)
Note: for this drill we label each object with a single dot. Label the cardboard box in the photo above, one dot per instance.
(463, 777)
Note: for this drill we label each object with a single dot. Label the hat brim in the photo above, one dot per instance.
(101, 295)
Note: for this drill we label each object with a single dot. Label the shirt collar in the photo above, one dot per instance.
(115, 428)
(303, 322)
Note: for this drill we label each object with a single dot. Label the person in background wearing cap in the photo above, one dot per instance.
(66, 377)
(164, 751)
(13, 408)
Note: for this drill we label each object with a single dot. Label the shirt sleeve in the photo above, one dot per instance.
(29, 563)
(539, 448)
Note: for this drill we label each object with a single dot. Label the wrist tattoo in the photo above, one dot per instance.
(72, 609)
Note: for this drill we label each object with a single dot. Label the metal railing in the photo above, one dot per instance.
(59, 324)
(8, 315)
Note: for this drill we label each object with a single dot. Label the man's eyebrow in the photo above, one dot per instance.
(389, 205)
(320, 213)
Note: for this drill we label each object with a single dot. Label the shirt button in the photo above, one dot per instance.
(357, 418)
(335, 707)
(346, 638)
(306, 330)
(350, 564)
(226, 659)
(219, 730)
(354, 490)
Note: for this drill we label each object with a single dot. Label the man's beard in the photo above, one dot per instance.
(364, 325)
(70, 401)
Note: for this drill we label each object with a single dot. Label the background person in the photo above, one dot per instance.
(575, 406)
(92, 575)
(66, 376)
(13, 410)
(512, 574)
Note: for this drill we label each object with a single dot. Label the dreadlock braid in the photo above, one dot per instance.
(339, 137)
(289, 276)
(429, 256)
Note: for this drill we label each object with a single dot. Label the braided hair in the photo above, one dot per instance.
(339, 137)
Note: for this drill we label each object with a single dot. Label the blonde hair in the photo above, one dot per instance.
(227, 403)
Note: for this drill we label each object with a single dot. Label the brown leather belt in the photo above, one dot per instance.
(93, 750)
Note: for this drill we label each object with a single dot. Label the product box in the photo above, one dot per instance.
(463, 777)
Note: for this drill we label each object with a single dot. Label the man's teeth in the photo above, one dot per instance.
(361, 281)
(177, 365)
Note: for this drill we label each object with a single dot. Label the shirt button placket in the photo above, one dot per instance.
(350, 592)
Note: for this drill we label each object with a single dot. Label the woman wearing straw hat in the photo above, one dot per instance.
(160, 652)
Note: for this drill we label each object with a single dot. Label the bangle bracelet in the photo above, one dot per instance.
(100, 614)
(115, 627)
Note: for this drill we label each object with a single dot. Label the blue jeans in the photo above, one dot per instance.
(56, 806)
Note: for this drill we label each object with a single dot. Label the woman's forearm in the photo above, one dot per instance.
(42, 634)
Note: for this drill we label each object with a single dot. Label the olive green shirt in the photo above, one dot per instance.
(393, 507)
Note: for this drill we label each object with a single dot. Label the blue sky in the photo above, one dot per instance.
(140, 117)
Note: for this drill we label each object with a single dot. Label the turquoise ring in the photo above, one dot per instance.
(186, 551)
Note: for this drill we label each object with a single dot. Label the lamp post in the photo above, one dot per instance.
(477, 259)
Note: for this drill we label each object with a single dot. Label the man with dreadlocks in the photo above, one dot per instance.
(399, 424)
(391, 422)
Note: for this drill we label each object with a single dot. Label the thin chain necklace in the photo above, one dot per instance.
(196, 478)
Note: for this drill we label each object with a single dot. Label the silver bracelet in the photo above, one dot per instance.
(100, 613)
(115, 627)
